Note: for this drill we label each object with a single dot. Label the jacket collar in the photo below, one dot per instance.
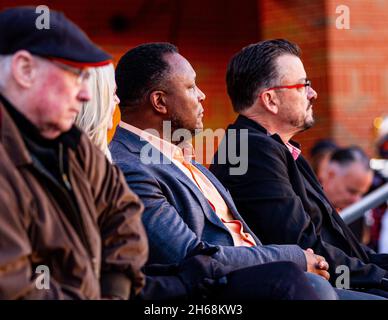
(12, 138)
(228, 200)
(314, 186)
(131, 140)
(243, 121)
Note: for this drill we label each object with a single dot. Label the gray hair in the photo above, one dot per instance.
(5, 68)
(346, 156)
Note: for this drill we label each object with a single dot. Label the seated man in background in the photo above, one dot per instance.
(347, 178)
(63, 206)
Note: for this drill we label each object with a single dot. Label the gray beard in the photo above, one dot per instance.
(306, 124)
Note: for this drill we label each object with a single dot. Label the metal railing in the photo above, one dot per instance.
(370, 201)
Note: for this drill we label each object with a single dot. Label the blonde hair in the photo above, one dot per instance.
(95, 115)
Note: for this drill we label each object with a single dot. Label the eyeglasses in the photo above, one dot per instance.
(295, 86)
(81, 74)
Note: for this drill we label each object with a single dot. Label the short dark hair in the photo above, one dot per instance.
(140, 71)
(346, 156)
(323, 146)
(254, 68)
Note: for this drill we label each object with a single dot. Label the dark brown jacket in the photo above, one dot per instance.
(35, 231)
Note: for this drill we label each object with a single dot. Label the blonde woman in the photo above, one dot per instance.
(96, 115)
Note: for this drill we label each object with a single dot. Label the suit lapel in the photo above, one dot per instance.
(134, 144)
(313, 184)
(131, 140)
(207, 209)
(314, 187)
(227, 198)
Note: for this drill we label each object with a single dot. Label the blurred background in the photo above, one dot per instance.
(348, 67)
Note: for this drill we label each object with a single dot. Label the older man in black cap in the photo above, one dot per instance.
(65, 210)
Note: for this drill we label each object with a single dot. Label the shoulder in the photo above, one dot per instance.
(252, 143)
(254, 135)
(137, 172)
(86, 153)
(16, 196)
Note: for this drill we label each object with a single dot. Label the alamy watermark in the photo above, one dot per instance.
(343, 20)
(343, 279)
(42, 281)
(43, 20)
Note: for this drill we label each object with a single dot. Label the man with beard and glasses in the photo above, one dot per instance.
(185, 206)
(279, 196)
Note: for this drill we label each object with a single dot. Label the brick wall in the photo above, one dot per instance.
(358, 70)
(348, 68)
(206, 32)
(303, 22)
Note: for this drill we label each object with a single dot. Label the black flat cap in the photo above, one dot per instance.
(63, 41)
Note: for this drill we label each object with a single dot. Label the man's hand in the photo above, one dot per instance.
(201, 274)
(316, 264)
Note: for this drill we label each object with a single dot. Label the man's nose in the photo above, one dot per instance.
(312, 94)
(201, 95)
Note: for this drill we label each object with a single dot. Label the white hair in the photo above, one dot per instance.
(95, 115)
(5, 69)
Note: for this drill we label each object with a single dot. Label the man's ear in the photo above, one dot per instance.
(23, 68)
(158, 101)
(270, 101)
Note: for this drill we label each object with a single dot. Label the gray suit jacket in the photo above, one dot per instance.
(178, 217)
